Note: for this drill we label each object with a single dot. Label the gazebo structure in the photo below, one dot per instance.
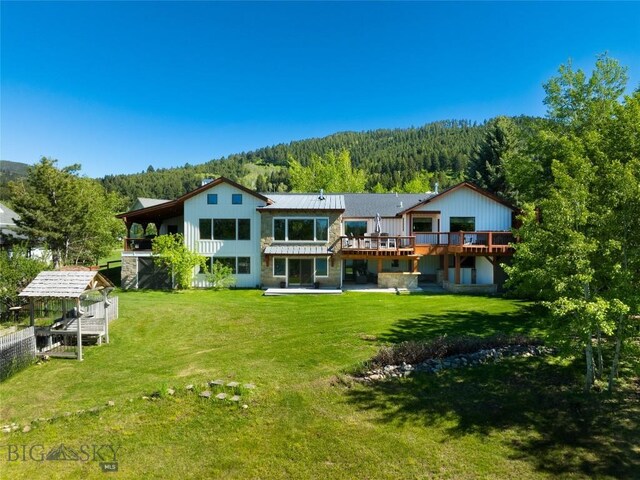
(79, 305)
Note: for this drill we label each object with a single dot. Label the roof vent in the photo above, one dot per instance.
(400, 205)
(321, 197)
(204, 181)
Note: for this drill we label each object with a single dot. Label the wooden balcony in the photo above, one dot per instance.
(436, 243)
(377, 245)
(137, 244)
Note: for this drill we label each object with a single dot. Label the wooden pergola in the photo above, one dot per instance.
(71, 288)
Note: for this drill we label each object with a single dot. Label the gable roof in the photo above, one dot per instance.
(175, 207)
(64, 284)
(362, 205)
(304, 201)
(143, 202)
(459, 186)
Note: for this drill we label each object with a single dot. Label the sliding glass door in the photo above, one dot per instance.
(300, 271)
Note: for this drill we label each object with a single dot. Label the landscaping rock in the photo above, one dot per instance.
(6, 429)
(235, 398)
(189, 387)
(170, 391)
(249, 386)
(216, 383)
(455, 361)
(232, 384)
(26, 429)
(111, 403)
(245, 406)
(205, 394)
(221, 396)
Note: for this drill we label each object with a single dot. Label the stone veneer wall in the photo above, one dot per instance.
(266, 238)
(476, 288)
(398, 280)
(129, 273)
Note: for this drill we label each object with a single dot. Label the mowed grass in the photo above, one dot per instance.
(306, 419)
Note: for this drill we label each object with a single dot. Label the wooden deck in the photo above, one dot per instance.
(419, 244)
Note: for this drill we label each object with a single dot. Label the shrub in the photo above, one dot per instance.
(221, 276)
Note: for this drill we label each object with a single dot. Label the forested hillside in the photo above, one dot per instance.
(10, 172)
(389, 157)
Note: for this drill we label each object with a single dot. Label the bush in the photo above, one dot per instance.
(221, 276)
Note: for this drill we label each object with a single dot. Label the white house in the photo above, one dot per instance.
(457, 238)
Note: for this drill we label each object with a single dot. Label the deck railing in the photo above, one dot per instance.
(131, 244)
(465, 240)
(378, 242)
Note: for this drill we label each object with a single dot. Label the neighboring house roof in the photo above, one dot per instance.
(143, 202)
(8, 225)
(175, 207)
(7, 216)
(362, 205)
(305, 201)
(64, 284)
(296, 250)
(449, 190)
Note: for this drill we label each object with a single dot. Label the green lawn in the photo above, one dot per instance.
(517, 419)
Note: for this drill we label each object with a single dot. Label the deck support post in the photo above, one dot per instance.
(457, 272)
(379, 265)
(32, 313)
(79, 335)
(416, 267)
(445, 268)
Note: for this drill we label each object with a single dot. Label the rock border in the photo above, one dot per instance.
(435, 365)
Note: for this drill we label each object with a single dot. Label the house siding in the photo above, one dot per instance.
(464, 202)
(197, 207)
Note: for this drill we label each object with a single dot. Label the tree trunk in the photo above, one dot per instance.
(588, 381)
(616, 356)
(599, 352)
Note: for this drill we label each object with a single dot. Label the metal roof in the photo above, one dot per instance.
(143, 202)
(64, 284)
(296, 250)
(363, 205)
(304, 201)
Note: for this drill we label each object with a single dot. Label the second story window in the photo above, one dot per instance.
(301, 229)
(212, 198)
(225, 229)
(236, 199)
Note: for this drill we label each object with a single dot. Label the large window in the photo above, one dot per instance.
(225, 229)
(301, 229)
(244, 229)
(239, 265)
(227, 262)
(422, 224)
(462, 224)
(205, 229)
(357, 228)
(322, 267)
(279, 267)
(244, 265)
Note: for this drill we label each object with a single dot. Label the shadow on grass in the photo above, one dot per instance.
(458, 322)
(555, 428)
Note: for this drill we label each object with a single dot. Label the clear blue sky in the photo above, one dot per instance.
(117, 86)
